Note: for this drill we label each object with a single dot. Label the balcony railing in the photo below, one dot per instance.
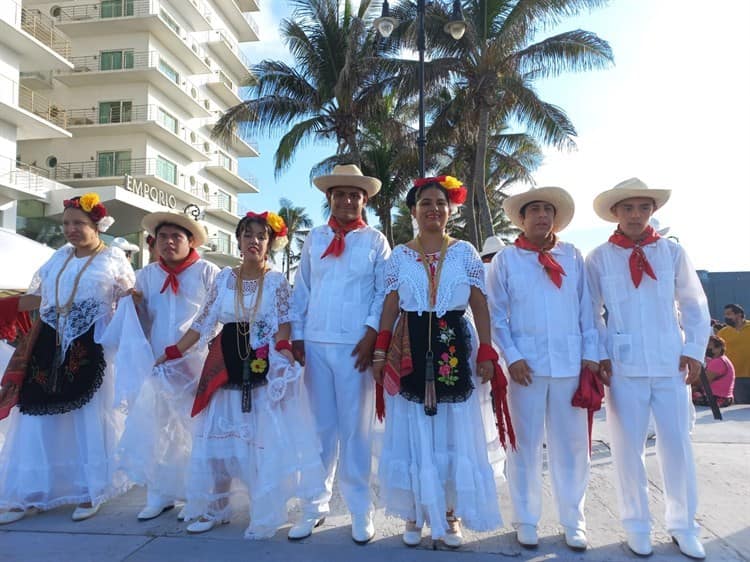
(36, 24)
(13, 93)
(224, 79)
(224, 202)
(251, 22)
(103, 11)
(26, 177)
(119, 114)
(223, 245)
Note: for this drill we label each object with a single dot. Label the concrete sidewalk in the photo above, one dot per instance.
(722, 451)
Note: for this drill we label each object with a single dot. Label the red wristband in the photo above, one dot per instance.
(283, 344)
(486, 353)
(172, 352)
(384, 340)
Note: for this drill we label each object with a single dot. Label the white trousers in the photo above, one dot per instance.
(546, 402)
(342, 402)
(630, 400)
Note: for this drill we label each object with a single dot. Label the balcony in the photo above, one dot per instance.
(224, 207)
(223, 88)
(238, 146)
(127, 15)
(126, 119)
(222, 250)
(39, 44)
(136, 66)
(19, 181)
(32, 113)
(90, 173)
(229, 55)
(225, 168)
(137, 16)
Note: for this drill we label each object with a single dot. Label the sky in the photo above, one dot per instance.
(674, 111)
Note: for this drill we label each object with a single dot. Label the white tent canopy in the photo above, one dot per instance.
(21, 257)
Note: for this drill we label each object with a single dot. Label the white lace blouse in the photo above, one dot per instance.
(462, 270)
(219, 307)
(106, 279)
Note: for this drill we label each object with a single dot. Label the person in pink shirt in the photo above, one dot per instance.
(720, 373)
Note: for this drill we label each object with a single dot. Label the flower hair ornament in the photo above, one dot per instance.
(90, 204)
(454, 187)
(276, 224)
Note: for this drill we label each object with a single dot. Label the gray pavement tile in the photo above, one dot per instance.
(20, 546)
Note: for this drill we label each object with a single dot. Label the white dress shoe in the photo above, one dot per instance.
(153, 511)
(204, 524)
(412, 534)
(81, 513)
(181, 514)
(304, 527)
(362, 528)
(689, 545)
(576, 539)
(640, 544)
(526, 536)
(11, 516)
(454, 537)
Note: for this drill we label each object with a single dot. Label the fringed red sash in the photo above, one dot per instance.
(589, 395)
(499, 385)
(10, 386)
(213, 376)
(398, 364)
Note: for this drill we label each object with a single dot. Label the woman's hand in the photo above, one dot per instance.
(162, 358)
(289, 355)
(137, 295)
(485, 370)
(377, 370)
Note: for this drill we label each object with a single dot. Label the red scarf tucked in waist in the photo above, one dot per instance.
(336, 247)
(173, 272)
(638, 262)
(549, 263)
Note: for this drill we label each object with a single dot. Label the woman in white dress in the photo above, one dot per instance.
(254, 435)
(61, 443)
(441, 454)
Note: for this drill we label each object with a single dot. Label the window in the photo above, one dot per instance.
(224, 160)
(169, 21)
(113, 163)
(167, 121)
(224, 201)
(166, 170)
(168, 71)
(115, 60)
(223, 242)
(117, 8)
(115, 111)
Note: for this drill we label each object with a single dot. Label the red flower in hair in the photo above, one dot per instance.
(454, 187)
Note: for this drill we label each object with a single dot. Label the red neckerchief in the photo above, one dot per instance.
(173, 272)
(638, 262)
(550, 264)
(336, 247)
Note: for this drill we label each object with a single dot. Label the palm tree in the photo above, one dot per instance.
(298, 224)
(326, 94)
(495, 65)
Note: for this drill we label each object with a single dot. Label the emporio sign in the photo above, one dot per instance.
(150, 192)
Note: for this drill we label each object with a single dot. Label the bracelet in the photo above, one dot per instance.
(379, 360)
(379, 353)
(281, 345)
(172, 352)
(383, 341)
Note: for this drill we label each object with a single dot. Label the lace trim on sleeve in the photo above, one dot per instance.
(392, 267)
(208, 317)
(283, 298)
(474, 267)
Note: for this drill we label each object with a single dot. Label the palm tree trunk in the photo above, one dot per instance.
(484, 228)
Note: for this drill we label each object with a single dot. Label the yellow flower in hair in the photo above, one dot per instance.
(89, 201)
(276, 223)
(451, 183)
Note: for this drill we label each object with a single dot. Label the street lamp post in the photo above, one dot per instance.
(455, 27)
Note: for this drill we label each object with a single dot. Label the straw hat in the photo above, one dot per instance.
(151, 221)
(348, 175)
(556, 196)
(124, 245)
(492, 245)
(627, 189)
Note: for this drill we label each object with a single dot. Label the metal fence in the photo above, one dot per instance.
(36, 24)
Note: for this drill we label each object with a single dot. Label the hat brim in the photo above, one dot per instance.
(556, 196)
(604, 202)
(151, 221)
(369, 185)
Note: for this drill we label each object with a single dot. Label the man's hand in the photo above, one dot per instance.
(692, 368)
(520, 372)
(298, 350)
(605, 371)
(363, 350)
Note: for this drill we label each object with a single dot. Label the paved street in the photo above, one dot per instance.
(722, 451)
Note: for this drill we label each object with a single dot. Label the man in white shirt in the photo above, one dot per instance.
(651, 347)
(336, 304)
(156, 444)
(542, 322)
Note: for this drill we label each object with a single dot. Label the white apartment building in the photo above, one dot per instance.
(127, 92)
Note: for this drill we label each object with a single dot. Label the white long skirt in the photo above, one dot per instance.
(268, 456)
(49, 461)
(155, 447)
(451, 461)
